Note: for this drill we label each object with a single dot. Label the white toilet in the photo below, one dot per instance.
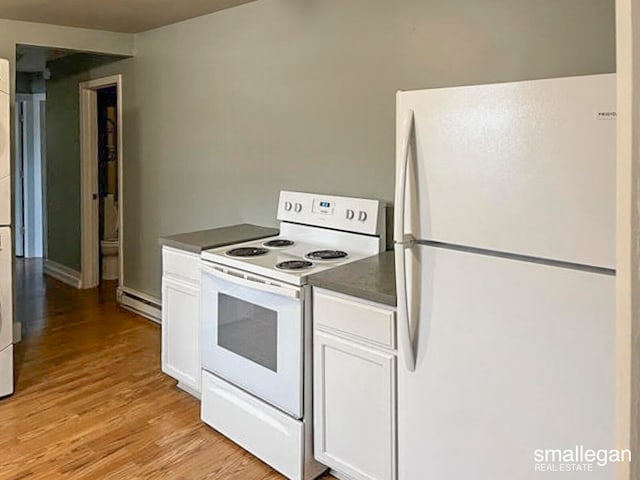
(109, 247)
(109, 253)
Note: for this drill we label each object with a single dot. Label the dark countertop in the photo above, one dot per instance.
(195, 242)
(372, 279)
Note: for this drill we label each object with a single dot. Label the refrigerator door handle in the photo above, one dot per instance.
(404, 315)
(399, 233)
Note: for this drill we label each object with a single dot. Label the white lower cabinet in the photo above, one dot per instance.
(181, 323)
(354, 399)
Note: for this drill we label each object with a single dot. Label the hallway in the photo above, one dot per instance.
(91, 401)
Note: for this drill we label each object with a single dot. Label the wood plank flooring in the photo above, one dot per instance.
(91, 401)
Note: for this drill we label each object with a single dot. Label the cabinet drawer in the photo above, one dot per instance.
(261, 429)
(353, 318)
(184, 265)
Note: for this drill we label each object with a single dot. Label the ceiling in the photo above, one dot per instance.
(130, 16)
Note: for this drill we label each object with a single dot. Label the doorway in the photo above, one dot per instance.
(101, 180)
(56, 74)
(29, 179)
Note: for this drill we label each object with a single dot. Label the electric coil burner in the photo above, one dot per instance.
(247, 252)
(326, 255)
(294, 265)
(279, 243)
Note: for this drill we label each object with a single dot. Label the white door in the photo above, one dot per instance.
(525, 167)
(252, 335)
(6, 312)
(180, 329)
(19, 178)
(354, 392)
(511, 357)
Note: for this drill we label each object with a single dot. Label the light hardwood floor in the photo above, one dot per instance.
(91, 401)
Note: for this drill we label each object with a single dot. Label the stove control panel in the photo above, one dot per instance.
(323, 207)
(359, 215)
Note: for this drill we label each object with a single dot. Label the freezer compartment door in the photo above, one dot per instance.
(511, 357)
(5, 172)
(524, 167)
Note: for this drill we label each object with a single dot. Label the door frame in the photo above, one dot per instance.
(89, 207)
(42, 116)
(627, 231)
(29, 160)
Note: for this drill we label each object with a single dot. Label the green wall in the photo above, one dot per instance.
(223, 111)
(63, 171)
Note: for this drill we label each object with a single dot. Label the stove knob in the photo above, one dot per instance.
(298, 207)
(350, 214)
(287, 206)
(362, 215)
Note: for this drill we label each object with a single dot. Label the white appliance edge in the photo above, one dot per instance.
(6, 248)
(500, 356)
(5, 144)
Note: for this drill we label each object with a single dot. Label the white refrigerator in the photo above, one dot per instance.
(505, 256)
(6, 251)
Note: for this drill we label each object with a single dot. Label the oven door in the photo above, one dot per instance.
(252, 335)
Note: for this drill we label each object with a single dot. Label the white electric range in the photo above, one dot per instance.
(256, 324)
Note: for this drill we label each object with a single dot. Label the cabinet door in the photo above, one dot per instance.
(354, 408)
(180, 332)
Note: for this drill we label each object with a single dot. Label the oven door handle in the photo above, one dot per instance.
(249, 281)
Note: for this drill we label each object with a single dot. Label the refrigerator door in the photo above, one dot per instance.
(511, 357)
(6, 313)
(525, 167)
(5, 177)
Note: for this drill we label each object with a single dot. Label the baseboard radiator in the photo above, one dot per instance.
(140, 303)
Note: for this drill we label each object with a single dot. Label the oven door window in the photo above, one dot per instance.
(248, 330)
(252, 337)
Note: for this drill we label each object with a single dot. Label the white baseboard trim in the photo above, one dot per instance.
(140, 303)
(189, 390)
(339, 475)
(63, 273)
